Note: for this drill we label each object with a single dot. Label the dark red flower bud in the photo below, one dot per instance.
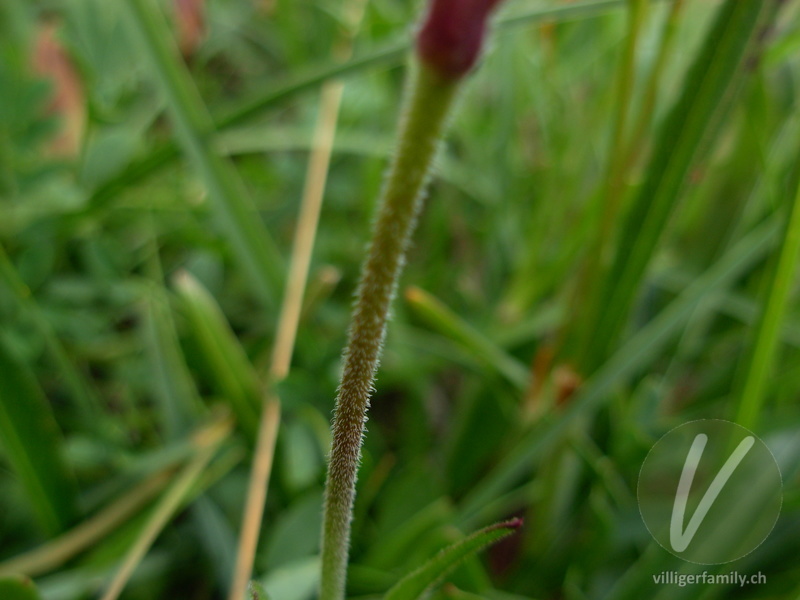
(451, 37)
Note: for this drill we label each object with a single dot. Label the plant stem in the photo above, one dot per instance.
(428, 101)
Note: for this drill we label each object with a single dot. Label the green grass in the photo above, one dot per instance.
(615, 204)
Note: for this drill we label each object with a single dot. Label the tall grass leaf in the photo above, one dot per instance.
(759, 363)
(18, 588)
(417, 583)
(396, 544)
(245, 233)
(705, 92)
(217, 536)
(628, 360)
(232, 373)
(179, 401)
(608, 203)
(33, 445)
(650, 95)
(447, 322)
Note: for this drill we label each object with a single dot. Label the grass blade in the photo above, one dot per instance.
(768, 333)
(33, 445)
(234, 375)
(626, 79)
(651, 88)
(686, 127)
(415, 584)
(448, 323)
(245, 233)
(178, 399)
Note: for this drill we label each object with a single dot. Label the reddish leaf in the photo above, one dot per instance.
(190, 19)
(68, 100)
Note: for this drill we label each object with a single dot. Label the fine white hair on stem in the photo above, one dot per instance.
(429, 98)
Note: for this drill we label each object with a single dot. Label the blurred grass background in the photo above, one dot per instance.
(609, 250)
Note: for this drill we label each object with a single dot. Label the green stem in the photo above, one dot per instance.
(428, 102)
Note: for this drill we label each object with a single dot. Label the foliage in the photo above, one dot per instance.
(608, 249)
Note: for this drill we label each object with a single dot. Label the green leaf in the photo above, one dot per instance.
(178, 399)
(298, 580)
(294, 534)
(33, 445)
(447, 322)
(415, 584)
(18, 588)
(233, 374)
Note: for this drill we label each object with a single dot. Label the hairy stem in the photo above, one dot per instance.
(428, 101)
